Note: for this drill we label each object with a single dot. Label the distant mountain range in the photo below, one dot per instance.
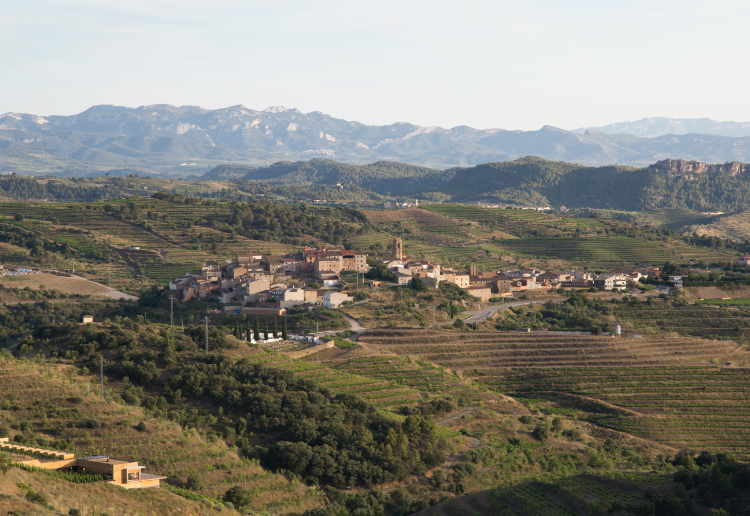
(189, 140)
(652, 127)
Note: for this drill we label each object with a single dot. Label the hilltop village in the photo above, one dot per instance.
(268, 285)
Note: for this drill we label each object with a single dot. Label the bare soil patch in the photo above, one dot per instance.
(50, 281)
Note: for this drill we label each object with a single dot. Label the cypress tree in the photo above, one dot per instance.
(237, 330)
(283, 330)
(256, 330)
(275, 328)
(266, 329)
(249, 330)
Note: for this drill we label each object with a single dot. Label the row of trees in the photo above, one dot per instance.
(256, 329)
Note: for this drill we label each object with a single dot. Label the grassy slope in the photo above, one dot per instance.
(97, 498)
(44, 396)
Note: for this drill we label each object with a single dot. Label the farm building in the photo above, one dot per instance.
(123, 473)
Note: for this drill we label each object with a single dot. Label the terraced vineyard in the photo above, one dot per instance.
(484, 353)
(700, 408)
(669, 388)
(595, 249)
(692, 320)
(568, 496)
(507, 216)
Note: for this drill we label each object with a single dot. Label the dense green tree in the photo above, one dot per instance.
(169, 353)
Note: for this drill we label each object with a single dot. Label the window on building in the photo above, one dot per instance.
(134, 476)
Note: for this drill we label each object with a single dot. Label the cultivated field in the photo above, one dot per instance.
(568, 496)
(46, 281)
(670, 389)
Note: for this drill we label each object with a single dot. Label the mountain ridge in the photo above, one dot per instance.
(159, 138)
(650, 127)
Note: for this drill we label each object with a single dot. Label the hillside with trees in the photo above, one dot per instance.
(383, 177)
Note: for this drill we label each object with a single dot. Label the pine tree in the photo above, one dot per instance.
(283, 330)
(275, 329)
(256, 330)
(266, 329)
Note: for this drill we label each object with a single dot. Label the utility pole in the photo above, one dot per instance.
(206, 334)
(171, 311)
(101, 374)
(109, 278)
(433, 317)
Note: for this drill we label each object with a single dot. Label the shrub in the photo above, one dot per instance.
(74, 512)
(526, 420)
(36, 497)
(141, 427)
(573, 435)
(540, 432)
(194, 482)
(238, 496)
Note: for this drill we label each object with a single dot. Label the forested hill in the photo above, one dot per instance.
(667, 184)
(30, 189)
(535, 181)
(383, 177)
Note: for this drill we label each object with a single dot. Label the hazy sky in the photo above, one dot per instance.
(512, 65)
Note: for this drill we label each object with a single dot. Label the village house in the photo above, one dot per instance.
(287, 298)
(483, 293)
(334, 299)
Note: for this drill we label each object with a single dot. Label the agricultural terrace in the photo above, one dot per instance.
(650, 378)
(700, 319)
(386, 382)
(686, 406)
(587, 240)
(567, 496)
